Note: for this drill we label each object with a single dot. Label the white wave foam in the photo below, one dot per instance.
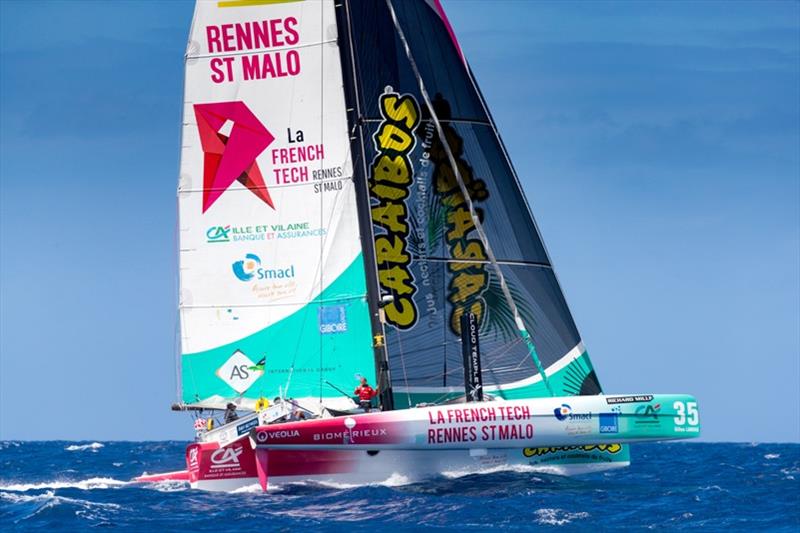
(772, 456)
(337, 485)
(81, 447)
(394, 480)
(255, 488)
(25, 498)
(558, 517)
(85, 484)
(48, 499)
(169, 485)
(511, 467)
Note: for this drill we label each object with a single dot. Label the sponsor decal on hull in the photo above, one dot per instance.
(555, 455)
(209, 461)
(611, 400)
(576, 424)
(647, 415)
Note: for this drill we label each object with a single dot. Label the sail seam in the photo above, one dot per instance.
(284, 304)
(444, 121)
(266, 188)
(509, 262)
(249, 52)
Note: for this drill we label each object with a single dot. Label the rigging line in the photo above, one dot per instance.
(471, 121)
(468, 199)
(403, 364)
(322, 241)
(321, 194)
(518, 183)
(440, 398)
(279, 304)
(271, 187)
(500, 353)
(276, 49)
(496, 355)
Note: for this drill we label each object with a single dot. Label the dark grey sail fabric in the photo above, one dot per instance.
(429, 257)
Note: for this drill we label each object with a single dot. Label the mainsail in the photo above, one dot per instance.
(273, 292)
(431, 262)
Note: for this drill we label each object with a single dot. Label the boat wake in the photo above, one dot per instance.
(94, 446)
(85, 484)
(171, 486)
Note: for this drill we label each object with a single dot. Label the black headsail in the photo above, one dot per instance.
(433, 266)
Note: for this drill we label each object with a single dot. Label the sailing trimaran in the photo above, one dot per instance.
(348, 209)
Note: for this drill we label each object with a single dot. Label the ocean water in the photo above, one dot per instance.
(68, 486)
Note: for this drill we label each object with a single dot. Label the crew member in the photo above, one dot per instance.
(230, 413)
(365, 395)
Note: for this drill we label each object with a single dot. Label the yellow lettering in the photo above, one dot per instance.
(390, 216)
(465, 285)
(400, 109)
(610, 448)
(388, 251)
(474, 250)
(391, 137)
(396, 279)
(392, 169)
(401, 312)
(461, 223)
(388, 192)
(455, 318)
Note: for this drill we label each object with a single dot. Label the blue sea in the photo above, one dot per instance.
(69, 486)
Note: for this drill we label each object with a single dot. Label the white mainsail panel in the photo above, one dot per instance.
(270, 257)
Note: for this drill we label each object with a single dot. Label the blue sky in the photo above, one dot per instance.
(659, 144)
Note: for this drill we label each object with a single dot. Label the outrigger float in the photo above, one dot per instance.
(403, 251)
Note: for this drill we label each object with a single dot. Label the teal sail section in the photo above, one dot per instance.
(326, 341)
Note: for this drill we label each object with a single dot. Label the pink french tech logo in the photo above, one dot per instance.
(232, 138)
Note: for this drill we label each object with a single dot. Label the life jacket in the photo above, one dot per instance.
(365, 393)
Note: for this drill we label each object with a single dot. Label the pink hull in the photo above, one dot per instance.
(226, 468)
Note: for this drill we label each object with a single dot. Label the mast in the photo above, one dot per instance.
(355, 120)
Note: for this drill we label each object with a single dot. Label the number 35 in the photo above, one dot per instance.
(684, 409)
